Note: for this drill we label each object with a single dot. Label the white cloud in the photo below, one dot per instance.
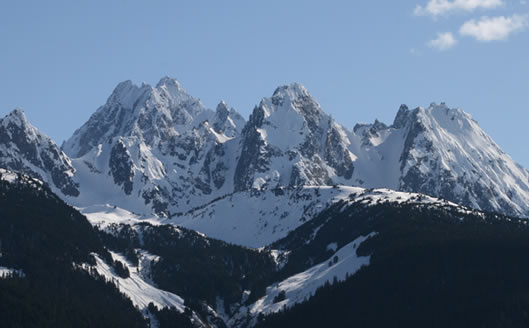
(443, 42)
(494, 28)
(440, 7)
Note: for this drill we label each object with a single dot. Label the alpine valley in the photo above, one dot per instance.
(160, 212)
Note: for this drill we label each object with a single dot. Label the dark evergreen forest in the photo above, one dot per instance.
(43, 236)
(430, 267)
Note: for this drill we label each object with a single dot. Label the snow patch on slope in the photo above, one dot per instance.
(8, 176)
(258, 218)
(136, 288)
(16, 178)
(103, 216)
(6, 272)
(302, 286)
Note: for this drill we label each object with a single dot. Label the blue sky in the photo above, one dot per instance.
(60, 60)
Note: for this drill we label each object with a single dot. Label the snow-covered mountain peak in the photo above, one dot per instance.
(169, 82)
(16, 125)
(169, 92)
(443, 109)
(24, 149)
(293, 98)
(290, 92)
(127, 93)
(434, 117)
(292, 103)
(146, 113)
(161, 147)
(442, 124)
(290, 141)
(228, 121)
(446, 154)
(16, 116)
(16, 122)
(290, 108)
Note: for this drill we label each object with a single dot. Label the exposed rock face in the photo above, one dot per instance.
(122, 167)
(290, 141)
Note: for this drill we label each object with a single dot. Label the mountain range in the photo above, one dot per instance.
(207, 218)
(158, 150)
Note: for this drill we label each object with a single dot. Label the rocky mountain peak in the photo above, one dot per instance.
(429, 117)
(222, 108)
(452, 113)
(147, 113)
(16, 125)
(402, 117)
(169, 82)
(24, 149)
(126, 94)
(290, 92)
(378, 126)
(17, 118)
(290, 141)
(170, 93)
(227, 121)
(295, 97)
(18, 113)
(289, 105)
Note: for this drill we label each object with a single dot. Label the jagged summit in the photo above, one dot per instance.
(127, 93)
(290, 103)
(228, 121)
(127, 90)
(291, 92)
(222, 107)
(290, 141)
(435, 110)
(221, 115)
(291, 97)
(16, 125)
(170, 93)
(147, 113)
(168, 82)
(401, 117)
(24, 149)
(373, 128)
(19, 113)
(445, 153)
(17, 117)
(159, 145)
